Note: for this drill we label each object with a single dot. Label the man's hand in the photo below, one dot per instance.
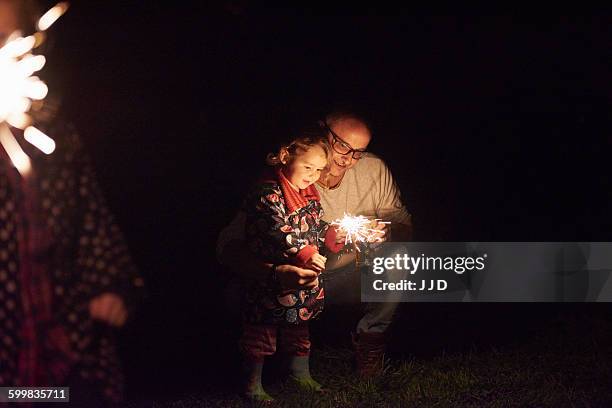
(395, 232)
(316, 262)
(382, 231)
(109, 308)
(293, 277)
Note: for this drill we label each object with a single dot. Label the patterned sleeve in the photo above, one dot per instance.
(270, 231)
(328, 240)
(102, 254)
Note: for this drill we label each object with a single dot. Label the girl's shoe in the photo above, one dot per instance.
(253, 390)
(259, 399)
(307, 384)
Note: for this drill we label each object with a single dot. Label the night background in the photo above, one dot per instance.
(495, 129)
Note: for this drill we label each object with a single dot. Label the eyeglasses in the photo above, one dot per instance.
(340, 146)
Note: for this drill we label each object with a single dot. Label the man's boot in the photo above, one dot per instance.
(369, 353)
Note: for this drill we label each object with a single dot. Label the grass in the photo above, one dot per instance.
(570, 366)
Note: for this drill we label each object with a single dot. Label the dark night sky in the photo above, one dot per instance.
(495, 128)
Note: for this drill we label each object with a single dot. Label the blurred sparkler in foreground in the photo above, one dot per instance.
(359, 229)
(18, 88)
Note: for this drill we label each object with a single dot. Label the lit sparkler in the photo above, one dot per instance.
(358, 229)
(18, 88)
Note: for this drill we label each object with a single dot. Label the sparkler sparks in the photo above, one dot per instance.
(358, 229)
(18, 88)
(52, 15)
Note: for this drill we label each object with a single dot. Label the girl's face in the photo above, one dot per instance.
(306, 167)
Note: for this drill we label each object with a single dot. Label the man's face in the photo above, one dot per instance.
(351, 135)
(8, 20)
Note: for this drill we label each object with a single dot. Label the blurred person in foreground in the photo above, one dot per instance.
(67, 281)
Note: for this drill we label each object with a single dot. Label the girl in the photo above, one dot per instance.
(284, 226)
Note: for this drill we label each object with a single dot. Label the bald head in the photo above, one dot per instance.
(347, 118)
(350, 126)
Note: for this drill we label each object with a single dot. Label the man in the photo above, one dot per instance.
(66, 277)
(358, 183)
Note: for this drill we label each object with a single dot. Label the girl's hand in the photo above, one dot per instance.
(340, 236)
(316, 262)
(294, 277)
(381, 234)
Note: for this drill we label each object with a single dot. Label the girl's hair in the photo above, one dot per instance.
(307, 138)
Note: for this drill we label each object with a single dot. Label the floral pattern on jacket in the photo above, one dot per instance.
(277, 236)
